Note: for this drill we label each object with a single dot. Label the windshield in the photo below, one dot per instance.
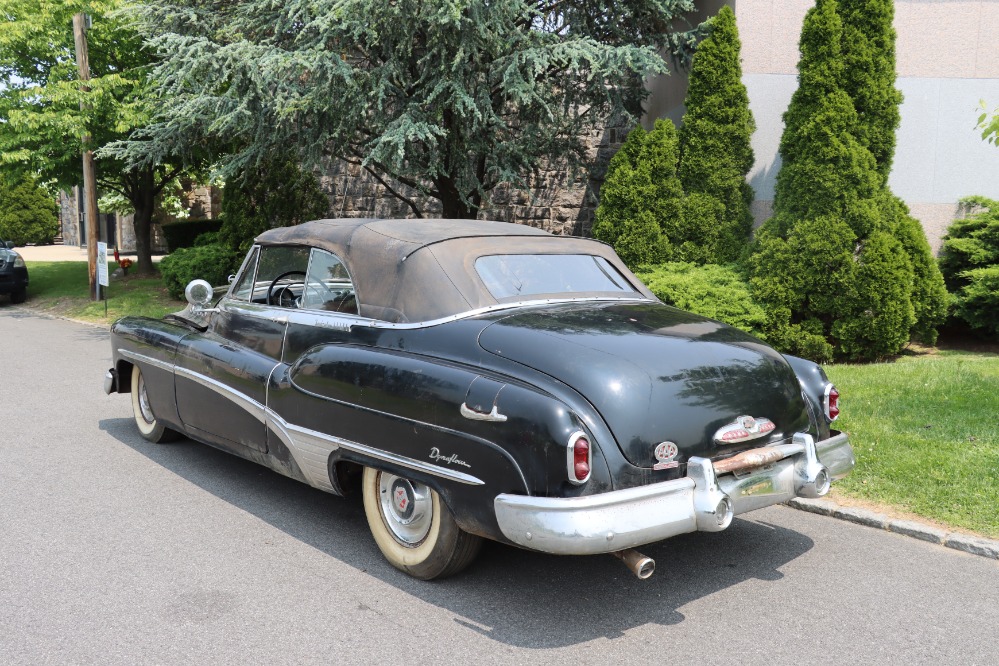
(513, 275)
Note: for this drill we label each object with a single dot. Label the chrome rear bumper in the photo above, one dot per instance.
(701, 501)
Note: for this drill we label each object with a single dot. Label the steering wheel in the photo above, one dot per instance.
(284, 296)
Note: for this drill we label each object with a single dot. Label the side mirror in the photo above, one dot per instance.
(231, 278)
(199, 294)
(10, 245)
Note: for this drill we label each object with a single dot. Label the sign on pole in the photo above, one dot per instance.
(102, 264)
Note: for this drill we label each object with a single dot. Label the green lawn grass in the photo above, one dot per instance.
(62, 288)
(925, 430)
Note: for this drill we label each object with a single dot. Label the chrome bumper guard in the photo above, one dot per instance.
(702, 501)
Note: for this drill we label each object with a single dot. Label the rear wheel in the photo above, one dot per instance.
(149, 427)
(413, 528)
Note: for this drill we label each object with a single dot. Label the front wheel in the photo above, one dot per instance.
(19, 296)
(413, 528)
(149, 427)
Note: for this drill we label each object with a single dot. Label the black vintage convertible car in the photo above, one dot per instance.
(481, 379)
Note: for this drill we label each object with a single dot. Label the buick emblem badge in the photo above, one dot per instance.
(666, 453)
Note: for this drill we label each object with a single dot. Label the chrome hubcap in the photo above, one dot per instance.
(407, 508)
(144, 408)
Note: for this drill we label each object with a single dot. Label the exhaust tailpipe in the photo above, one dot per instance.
(639, 564)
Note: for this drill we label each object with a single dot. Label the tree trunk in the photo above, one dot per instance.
(453, 207)
(143, 198)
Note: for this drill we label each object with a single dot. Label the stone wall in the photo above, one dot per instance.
(556, 201)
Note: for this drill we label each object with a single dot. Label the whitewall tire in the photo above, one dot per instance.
(413, 528)
(147, 423)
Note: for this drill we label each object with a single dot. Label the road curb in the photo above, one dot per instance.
(967, 543)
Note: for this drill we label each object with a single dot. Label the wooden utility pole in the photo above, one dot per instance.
(89, 172)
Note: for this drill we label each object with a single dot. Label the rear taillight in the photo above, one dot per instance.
(578, 458)
(831, 402)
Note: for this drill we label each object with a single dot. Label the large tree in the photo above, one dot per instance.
(44, 114)
(715, 150)
(437, 100)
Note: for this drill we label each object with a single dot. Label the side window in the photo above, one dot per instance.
(280, 277)
(242, 289)
(328, 285)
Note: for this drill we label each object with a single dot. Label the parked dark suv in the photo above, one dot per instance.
(13, 273)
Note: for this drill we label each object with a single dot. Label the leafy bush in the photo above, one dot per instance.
(978, 301)
(266, 196)
(183, 233)
(969, 261)
(214, 263)
(27, 213)
(717, 291)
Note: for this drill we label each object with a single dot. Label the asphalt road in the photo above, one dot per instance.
(117, 551)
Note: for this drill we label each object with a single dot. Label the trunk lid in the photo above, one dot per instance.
(656, 374)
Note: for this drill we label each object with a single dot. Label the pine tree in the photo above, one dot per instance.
(834, 279)
(715, 150)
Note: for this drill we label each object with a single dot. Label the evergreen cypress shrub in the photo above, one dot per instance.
(720, 292)
(929, 296)
(715, 150)
(869, 75)
(827, 268)
(265, 196)
(642, 211)
(27, 213)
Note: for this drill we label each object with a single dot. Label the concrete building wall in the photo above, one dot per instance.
(948, 61)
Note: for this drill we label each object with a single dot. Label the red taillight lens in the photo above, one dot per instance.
(832, 403)
(579, 458)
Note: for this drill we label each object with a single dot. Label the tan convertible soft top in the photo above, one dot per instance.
(420, 270)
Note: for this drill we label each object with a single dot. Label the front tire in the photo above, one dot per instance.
(18, 297)
(147, 423)
(413, 528)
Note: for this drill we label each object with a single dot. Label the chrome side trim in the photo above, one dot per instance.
(155, 362)
(257, 410)
(309, 448)
(341, 321)
(315, 438)
(432, 426)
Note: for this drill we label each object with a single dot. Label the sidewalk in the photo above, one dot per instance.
(65, 253)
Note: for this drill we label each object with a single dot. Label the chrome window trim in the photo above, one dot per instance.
(281, 314)
(254, 252)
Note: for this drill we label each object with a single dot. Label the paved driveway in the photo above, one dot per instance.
(117, 551)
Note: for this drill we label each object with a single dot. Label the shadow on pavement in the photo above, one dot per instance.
(513, 596)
